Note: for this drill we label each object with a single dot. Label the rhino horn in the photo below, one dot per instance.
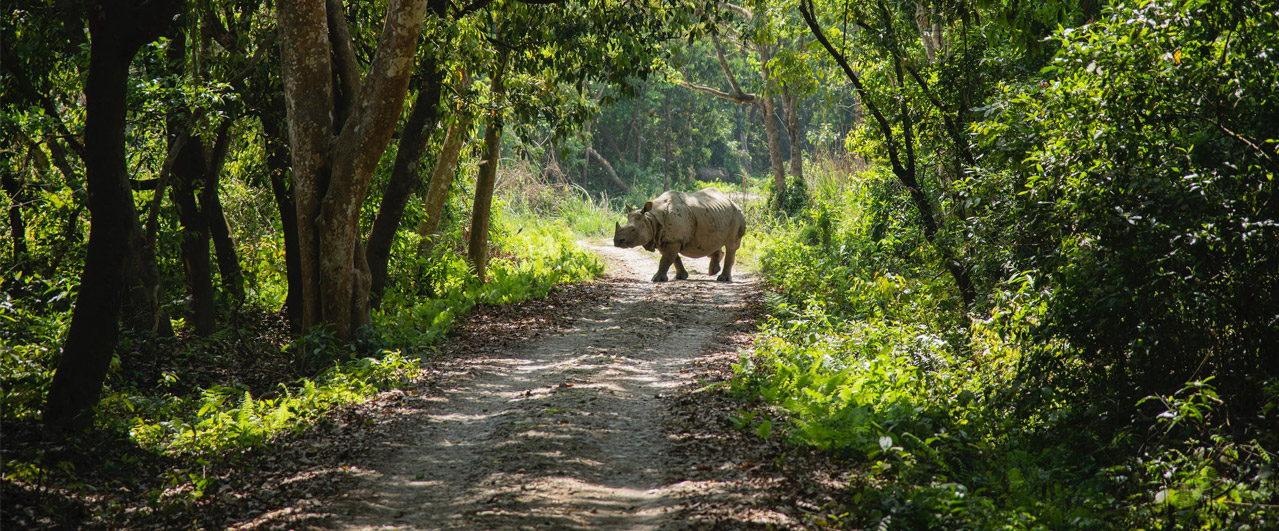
(617, 226)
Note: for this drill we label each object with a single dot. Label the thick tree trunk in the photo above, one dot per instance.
(774, 144)
(117, 34)
(477, 247)
(406, 177)
(331, 175)
(437, 194)
(308, 89)
(143, 308)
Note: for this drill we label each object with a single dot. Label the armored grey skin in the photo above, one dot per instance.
(706, 223)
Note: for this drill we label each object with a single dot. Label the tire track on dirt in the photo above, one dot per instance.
(564, 431)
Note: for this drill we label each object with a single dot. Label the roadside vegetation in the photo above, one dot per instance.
(1117, 371)
(179, 412)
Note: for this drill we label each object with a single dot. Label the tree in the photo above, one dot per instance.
(900, 141)
(442, 179)
(117, 31)
(477, 246)
(337, 135)
(784, 78)
(766, 103)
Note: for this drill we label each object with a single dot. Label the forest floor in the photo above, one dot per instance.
(601, 407)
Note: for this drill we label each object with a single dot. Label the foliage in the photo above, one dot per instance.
(792, 199)
(222, 418)
(1141, 179)
(533, 254)
(863, 356)
(1122, 220)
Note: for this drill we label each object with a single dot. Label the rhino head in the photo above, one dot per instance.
(638, 230)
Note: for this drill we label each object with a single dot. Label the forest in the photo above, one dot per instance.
(1011, 265)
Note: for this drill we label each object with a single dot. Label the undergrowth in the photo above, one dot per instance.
(195, 402)
(862, 355)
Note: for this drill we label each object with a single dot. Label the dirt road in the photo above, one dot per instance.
(564, 431)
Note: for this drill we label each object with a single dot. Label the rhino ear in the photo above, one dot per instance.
(648, 205)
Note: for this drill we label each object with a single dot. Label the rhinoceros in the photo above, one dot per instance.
(705, 223)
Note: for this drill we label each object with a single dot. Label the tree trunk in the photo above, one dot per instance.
(666, 146)
(406, 177)
(331, 175)
(769, 113)
(638, 133)
(790, 104)
(477, 247)
(743, 140)
(189, 177)
(117, 33)
(437, 193)
(586, 159)
(215, 217)
(774, 145)
(277, 164)
(143, 309)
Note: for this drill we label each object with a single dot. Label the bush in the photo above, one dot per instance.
(1140, 192)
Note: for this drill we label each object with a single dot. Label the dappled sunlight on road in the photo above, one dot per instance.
(565, 431)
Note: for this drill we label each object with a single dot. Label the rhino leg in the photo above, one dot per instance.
(680, 272)
(670, 253)
(715, 256)
(729, 257)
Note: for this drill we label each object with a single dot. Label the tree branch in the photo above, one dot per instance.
(344, 60)
(264, 47)
(738, 9)
(740, 99)
(723, 64)
(10, 62)
(956, 137)
(806, 11)
(166, 169)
